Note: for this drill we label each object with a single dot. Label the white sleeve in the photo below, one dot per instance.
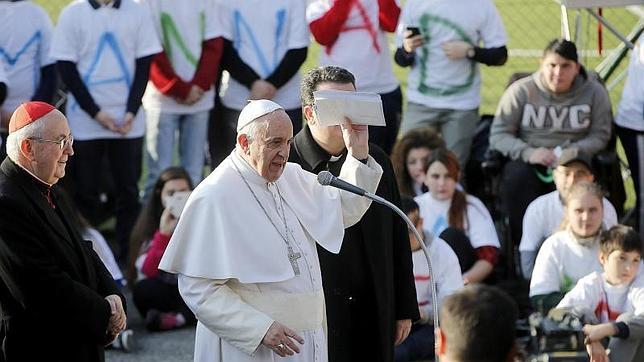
(366, 176)
(298, 33)
(546, 277)
(629, 111)
(403, 22)
(316, 9)
(637, 300)
(66, 42)
(223, 311)
(610, 215)
(583, 298)
(449, 278)
(492, 32)
(47, 32)
(481, 230)
(147, 41)
(533, 227)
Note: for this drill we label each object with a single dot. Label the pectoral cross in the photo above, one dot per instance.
(292, 257)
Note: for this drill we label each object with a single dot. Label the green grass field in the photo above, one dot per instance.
(530, 24)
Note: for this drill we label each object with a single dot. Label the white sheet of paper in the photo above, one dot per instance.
(331, 106)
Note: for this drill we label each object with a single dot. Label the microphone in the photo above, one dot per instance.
(325, 178)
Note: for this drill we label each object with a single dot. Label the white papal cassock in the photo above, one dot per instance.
(234, 272)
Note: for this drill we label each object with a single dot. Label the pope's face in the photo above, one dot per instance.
(270, 148)
(48, 158)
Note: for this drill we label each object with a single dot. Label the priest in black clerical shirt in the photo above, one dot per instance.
(369, 286)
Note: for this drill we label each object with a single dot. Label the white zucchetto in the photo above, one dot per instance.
(254, 110)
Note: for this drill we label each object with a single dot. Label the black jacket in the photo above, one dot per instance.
(52, 283)
(370, 283)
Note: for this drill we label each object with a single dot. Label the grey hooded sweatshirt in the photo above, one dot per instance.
(531, 116)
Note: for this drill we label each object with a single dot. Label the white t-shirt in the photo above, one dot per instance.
(262, 32)
(544, 215)
(362, 47)
(630, 112)
(25, 37)
(182, 26)
(479, 226)
(593, 296)
(447, 273)
(104, 43)
(434, 80)
(561, 262)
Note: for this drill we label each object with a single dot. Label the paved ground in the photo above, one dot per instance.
(175, 346)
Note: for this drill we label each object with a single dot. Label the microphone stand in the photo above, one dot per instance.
(412, 227)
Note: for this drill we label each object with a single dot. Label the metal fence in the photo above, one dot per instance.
(530, 24)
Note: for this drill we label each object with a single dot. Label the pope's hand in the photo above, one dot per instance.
(281, 340)
(356, 138)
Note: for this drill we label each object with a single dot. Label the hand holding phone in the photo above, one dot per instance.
(413, 39)
(414, 30)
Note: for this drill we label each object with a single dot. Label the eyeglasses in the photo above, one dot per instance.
(62, 143)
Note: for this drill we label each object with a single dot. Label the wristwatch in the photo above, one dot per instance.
(470, 53)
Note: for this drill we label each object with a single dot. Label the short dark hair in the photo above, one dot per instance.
(620, 237)
(479, 324)
(565, 48)
(315, 76)
(407, 204)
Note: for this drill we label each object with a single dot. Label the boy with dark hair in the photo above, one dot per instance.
(447, 276)
(477, 324)
(613, 301)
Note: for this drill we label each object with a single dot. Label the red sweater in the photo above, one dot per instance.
(153, 257)
(168, 82)
(327, 29)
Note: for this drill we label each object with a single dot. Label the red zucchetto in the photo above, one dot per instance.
(27, 113)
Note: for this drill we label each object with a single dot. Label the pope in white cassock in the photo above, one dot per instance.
(244, 247)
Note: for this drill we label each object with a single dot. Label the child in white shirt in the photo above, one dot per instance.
(447, 274)
(570, 254)
(612, 301)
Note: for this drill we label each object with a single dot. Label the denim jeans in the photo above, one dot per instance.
(160, 140)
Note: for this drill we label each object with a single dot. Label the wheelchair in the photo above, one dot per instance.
(483, 180)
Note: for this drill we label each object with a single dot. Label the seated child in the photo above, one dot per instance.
(612, 301)
(447, 273)
(570, 254)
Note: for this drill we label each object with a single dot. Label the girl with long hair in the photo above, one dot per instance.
(571, 253)
(155, 292)
(409, 156)
(458, 218)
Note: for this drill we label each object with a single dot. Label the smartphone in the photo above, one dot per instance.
(414, 31)
(177, 202)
